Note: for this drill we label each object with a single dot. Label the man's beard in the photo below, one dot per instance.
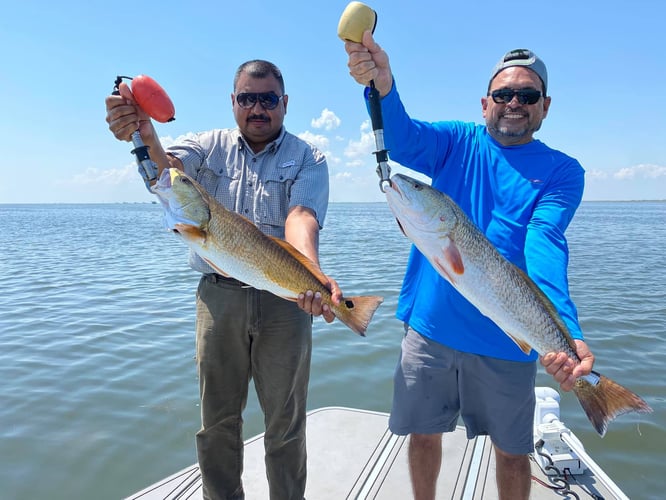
(507, 132)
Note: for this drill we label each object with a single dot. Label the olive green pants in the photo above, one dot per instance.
(243, 334)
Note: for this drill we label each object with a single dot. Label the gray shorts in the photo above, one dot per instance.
(434, 385)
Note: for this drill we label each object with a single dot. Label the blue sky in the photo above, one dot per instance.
(606, 62)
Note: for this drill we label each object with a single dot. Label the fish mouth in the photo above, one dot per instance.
(174, 212)
(180, 199)
(394, 190)
(162, 188)
(394, 186)
(163, 182)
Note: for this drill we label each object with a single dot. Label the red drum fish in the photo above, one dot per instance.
(463, 255)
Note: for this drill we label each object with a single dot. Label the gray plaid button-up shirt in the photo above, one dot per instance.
(262, 187)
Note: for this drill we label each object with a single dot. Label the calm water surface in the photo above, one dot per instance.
(97, 380)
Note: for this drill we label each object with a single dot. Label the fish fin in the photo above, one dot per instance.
(356, 312)
(441, 268)
(190, 232)
(218, 270)
(605, 400)
(309, 265)
(522, 345)
(452, 257)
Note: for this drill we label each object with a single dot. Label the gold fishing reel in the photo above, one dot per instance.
(356, 19)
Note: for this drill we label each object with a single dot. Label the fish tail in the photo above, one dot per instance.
(356, 312)
(604, 399)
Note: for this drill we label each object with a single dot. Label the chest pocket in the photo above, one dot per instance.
(222, 183)
(276, 194)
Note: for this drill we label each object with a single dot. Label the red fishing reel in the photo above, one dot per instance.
(148, 95)
(155, 102)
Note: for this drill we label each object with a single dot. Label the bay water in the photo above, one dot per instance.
(98, 388)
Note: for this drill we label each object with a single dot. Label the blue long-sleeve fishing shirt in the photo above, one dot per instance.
(521, 197)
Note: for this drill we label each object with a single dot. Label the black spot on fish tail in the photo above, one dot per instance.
(356, 312)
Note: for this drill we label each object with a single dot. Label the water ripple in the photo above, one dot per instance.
(97, 375)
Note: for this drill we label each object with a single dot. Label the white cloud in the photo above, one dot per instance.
(118, 184)
(125, 175)
(342, 176)
(107, 177)
(358, 151)
(327, 120)
(321, 141)
(596, 174)
(638, 182)
(635, 172)
(168, 140)
(359, 185)
(643, 171)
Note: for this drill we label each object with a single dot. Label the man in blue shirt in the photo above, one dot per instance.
(522, 195)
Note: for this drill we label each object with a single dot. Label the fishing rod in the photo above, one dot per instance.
(355, 20)
(147, 94)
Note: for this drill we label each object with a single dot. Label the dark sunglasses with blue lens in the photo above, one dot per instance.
(268, 100)
(525, 96)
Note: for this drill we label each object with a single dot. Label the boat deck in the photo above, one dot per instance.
(353, 455)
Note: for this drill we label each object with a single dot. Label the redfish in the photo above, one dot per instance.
(234, 246)
(463, 256)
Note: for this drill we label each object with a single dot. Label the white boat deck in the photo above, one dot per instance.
(353, 455)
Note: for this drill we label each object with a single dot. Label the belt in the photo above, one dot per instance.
(218, 278)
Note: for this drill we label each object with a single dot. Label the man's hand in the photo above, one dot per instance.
(311, 302)
(125, 117)
(368, 62)
(565, 370)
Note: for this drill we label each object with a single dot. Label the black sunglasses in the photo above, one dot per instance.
(525, 96)
(268, 100)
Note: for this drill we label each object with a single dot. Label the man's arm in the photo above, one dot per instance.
(301, 230)
(547, 257)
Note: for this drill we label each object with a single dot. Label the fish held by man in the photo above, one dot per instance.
(234, 246)
(463, 255)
